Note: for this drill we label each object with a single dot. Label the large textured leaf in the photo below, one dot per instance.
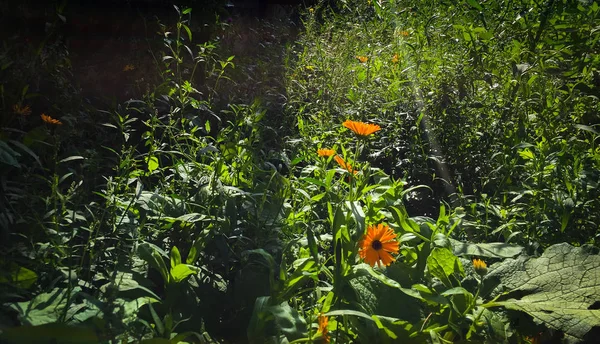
(491, 250)
(442, 263)
(559, 289)
(44, 308)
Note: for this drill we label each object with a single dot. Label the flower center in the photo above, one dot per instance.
(376, 245)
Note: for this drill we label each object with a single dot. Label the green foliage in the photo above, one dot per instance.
(558, 289)
(241, 208)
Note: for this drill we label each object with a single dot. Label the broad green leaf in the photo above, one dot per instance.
(442, 263)
(559, 289)
(491, 250)
(288, 321)
(19, 276)
(182, 271)
(366, 269)
(45, 308)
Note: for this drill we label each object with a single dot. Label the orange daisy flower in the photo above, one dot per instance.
(324, 152)
(22, 110)
(377, 244)
(480, 266)
(361, 129)
(395, 58)
(50, 120)
(128, 67)
(362, 59)
(323, 321)
(346, 166)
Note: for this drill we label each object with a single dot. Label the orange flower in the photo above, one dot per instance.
(361, 129)
(362, 59)
(403, 33)
(50, 120)
(377, 244)
(346, 166)
(395, 58)
(325, 152)
(128, 68)
(480, 266)
(323, 321)
(22, 110)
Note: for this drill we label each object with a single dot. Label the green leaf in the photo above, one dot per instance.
(365, 269)
(45, 308)
(19, 276)
(175, 257)
(559, 289)
(442, 263)
(8, 155)
(182, 271)
(491, 250)
(475, 4)
(152, 163)
(71, 158)
(187, 29)
(526, 154)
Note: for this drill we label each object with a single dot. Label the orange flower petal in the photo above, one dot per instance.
(324, 152)
(361, 129)
(386, 258)
(385, 242)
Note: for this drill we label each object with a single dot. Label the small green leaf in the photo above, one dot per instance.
(71, 158)
(152, 163)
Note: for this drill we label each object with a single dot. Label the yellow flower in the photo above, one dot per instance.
(311, 10)
(377, 244)
(361, 129)
(362, 59)
(346, 166)
(22, 110)
(50, 120)
(403, 33)
(395, 58)
(324, 152)
(128, 67)
(323, 321)
(480, 266)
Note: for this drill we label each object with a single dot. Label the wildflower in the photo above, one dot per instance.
(324, 152)
(346, 166)
(403, 33)
(480, 266)
(395, 58)
(377, 244)
(323, 321)
(362, 59)
(361, 129)
(50, 120)
(128, 67)
(311, 10)
(22, 110)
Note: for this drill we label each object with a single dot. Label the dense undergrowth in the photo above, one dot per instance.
(246, 199)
